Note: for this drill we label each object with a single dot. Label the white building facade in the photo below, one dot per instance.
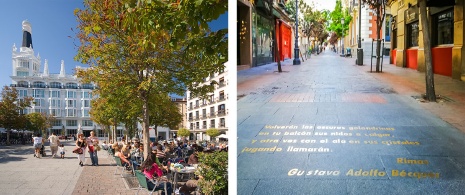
(203, 114)
(59, 95)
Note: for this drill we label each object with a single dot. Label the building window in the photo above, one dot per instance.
(70, 112)
(222, 122)
(86, 103)
(39, 102)
(85, 113)
(22, 93)
(444, 23)
(38, 84)
(22, 73)
(212, 111)
(71, 86)
(197, 125)
(55, 112)
(55, 103)
(412, 34)
(87, 86)
(212, 123)
(197, 116)
(204, 125)
(71, 103)
(204, 113)
(38, 93)
(87, 94)
(101, 133)
(71, 122)
(72, 131)
(55, 85)
(191, 126)
(23, 84)
(56, 123)
(387, 28)
(54, 94)
(87, 123)
(71, 94)
(23, 64)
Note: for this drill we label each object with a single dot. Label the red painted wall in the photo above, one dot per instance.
(442, 60)
(412, 58)
(286, 41)
(393, 56)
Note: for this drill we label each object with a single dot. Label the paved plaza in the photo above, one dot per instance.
(328, 126)
(22, 173)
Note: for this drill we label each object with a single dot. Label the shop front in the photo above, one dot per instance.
(412, 36)
(442, 40)
(262, 41)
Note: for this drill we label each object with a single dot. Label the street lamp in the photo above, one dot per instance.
(359, 41)
(296, 45)
(342, 39)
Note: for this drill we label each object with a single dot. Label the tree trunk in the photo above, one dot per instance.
(275, 45)
(7, 137)
(379, 25)
(429, 75)
(145, 127)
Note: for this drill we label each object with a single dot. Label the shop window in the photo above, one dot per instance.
(412, 34)
(444, 23)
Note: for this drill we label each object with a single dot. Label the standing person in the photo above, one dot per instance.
(62, 151)
(81, 143)
(37, 140)
(54, 142)
(92, 141)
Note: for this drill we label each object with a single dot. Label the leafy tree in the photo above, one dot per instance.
(11, 110)
(183, 132)
(429, 74)
(214, 170)
(335, 24)
(164, 112)
(213, 132)
(38, 122)
(137, 49)
(379, 9)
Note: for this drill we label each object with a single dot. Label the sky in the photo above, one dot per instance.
(53, 39)
(322, 4)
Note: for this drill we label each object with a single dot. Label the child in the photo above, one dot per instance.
(62, 150)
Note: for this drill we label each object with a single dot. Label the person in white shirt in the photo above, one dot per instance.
(62, 151)
(37, 140)
(54, 142)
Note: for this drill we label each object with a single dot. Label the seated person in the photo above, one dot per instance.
(104, 145)
(193, 158)
(125, 162)
(152, 171)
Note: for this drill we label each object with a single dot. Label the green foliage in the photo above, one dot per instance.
(183, 132)
(11, 108)
(213, 132)
(140, 49)
(213, 167)
(336, 17)
(38, 122)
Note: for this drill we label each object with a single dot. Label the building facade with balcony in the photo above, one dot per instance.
(203, 114)
(61, 95)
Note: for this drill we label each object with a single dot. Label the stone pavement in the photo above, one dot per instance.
(21, 173)
(331, 127)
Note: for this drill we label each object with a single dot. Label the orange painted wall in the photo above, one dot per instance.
(412, 58)
(393, 56)
(442, 60)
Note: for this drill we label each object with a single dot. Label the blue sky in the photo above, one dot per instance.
(51, 21)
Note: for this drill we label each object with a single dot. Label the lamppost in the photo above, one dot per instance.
(359, 41)
(296, 45)
(342, 39)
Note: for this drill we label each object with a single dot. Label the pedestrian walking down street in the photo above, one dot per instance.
(81, 143)
(54, 142)
(38, 141)
(62, 151)
(92, 143)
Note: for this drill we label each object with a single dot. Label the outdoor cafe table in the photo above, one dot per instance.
(185, 170)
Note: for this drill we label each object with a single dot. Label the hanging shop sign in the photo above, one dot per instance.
(441, 3)
(411, 14)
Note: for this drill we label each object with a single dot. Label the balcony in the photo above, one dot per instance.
(190, 108)
(212, 114)
(221, 112)
(197, 118)
(221, 84)
(212, 125)
(204, 116)
(191, 119)
(222, 98)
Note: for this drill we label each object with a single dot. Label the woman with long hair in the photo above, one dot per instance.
(81, 143)
(152, 170)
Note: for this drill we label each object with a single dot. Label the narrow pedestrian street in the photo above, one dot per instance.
(328, 126)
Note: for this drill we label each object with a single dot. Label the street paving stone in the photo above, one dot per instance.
(328, 126)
